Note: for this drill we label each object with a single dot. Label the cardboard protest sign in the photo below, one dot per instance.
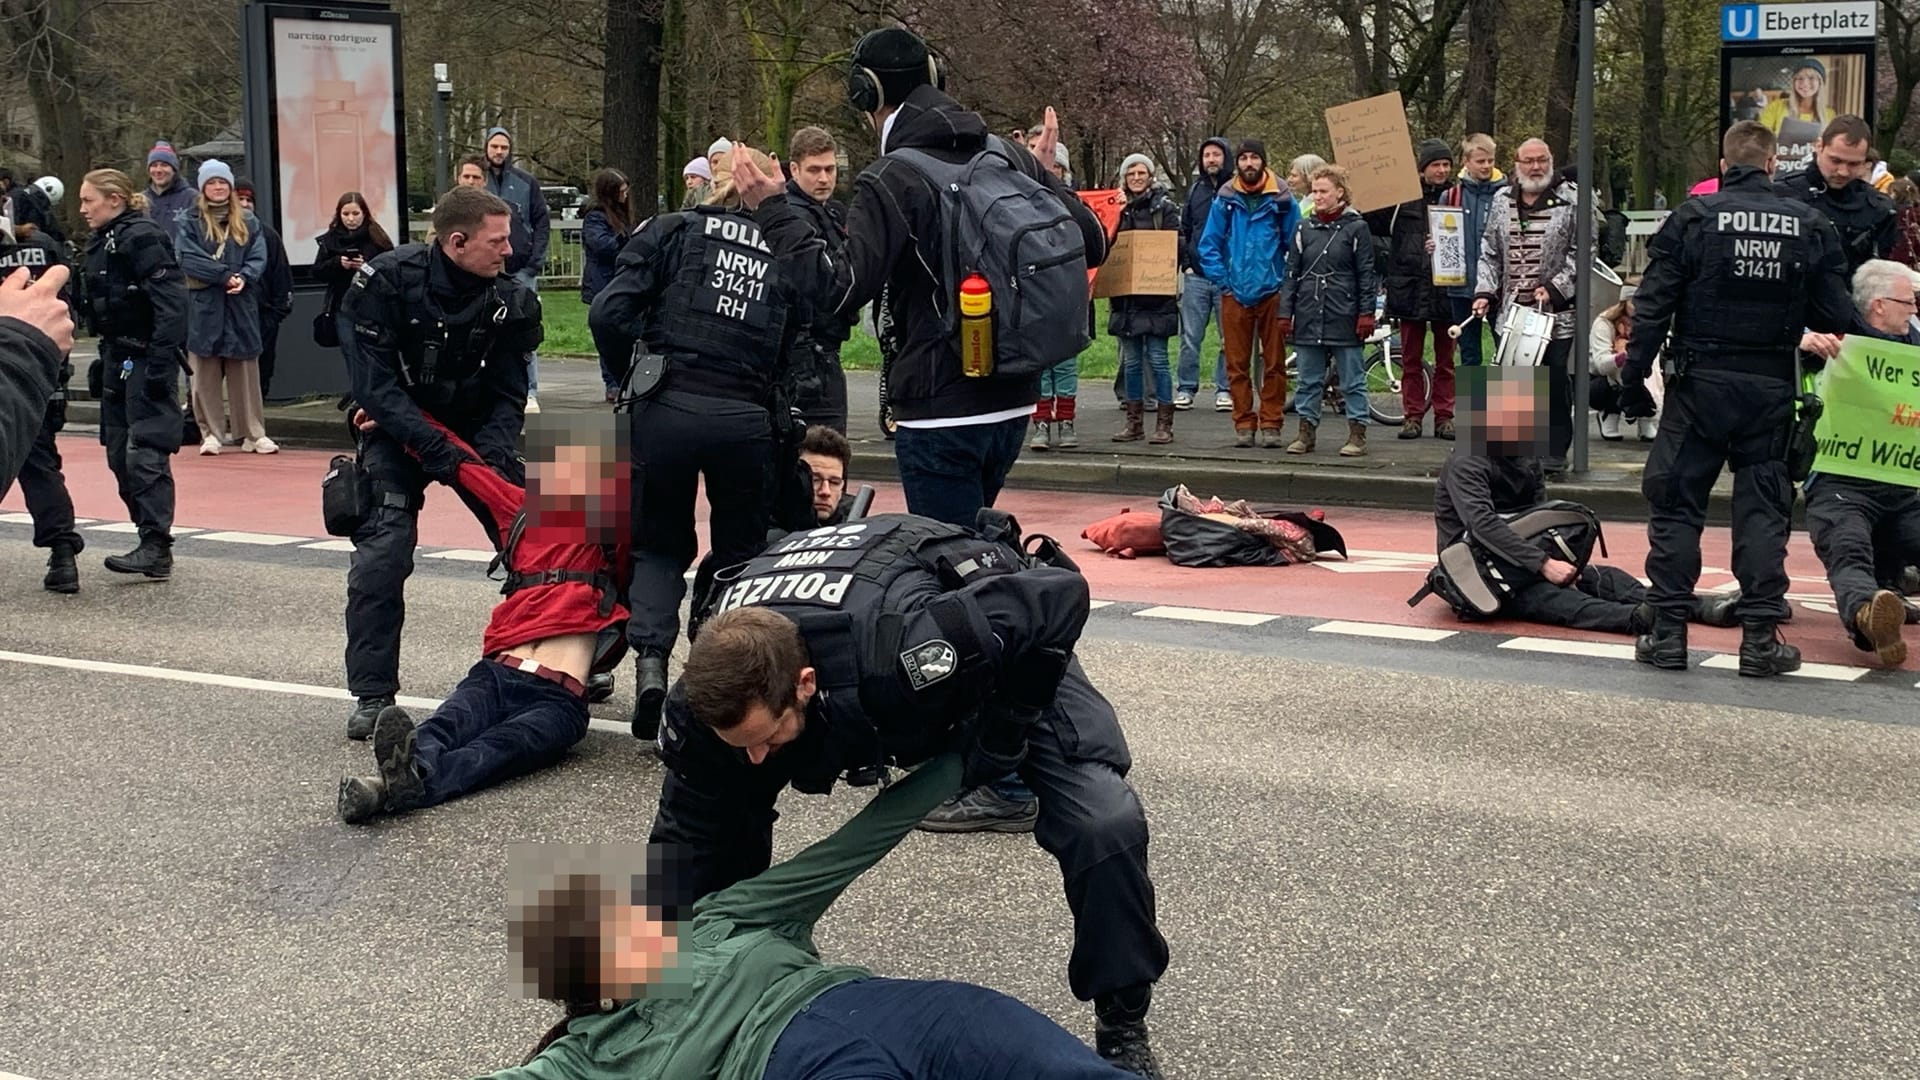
(1871, 427)
(1371, 141)
(1141, 262)
(1447, 226)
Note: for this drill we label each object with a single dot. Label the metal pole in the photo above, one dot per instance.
(1583, 250)
(442, 94)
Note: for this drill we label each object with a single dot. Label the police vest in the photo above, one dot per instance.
(119, 261)
(437, 345)
(834, 583)
(1750, 291)
(723, 301)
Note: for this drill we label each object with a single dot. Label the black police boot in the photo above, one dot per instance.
(599, 687)
(360, 799)
(1762, 653)
(1717, 609)
(63, 575)
(154, 558)
(1120, 1031)
(365, 712)
(1664, 646)
(1642, 619)
(649, 694)
(393, 748)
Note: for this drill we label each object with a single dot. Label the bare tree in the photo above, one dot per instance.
(1902, 29)
(631, 140)
(1482, 78)
(44, 37)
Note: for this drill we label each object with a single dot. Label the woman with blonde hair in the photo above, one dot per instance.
(1607, 345)
(1798, 116)
(222, 255)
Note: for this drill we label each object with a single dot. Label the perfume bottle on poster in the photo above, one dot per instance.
(337, 142)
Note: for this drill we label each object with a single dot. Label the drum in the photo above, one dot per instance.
(1524, 335)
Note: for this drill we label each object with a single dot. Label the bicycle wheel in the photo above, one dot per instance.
(1383, 386)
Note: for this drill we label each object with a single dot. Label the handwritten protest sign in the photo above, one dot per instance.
(1371, 141)
(1447, 225)
(1141, 262)
(1871, 427)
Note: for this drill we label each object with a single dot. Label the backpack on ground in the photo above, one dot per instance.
(1015, 231)
(1471, 580)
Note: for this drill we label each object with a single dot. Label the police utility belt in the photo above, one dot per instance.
(1474, 582)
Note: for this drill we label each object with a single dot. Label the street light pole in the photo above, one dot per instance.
(442, 94)
(1583, 244)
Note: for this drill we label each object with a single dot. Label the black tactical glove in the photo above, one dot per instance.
(441, 461)
(1001, 744)
(507, 463)
(1636, 401)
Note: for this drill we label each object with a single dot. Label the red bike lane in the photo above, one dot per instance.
(1389, 551)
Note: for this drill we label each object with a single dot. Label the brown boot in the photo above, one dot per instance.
(1356, 440)
(1134, 428)
(1162, 424)
(1304, 444)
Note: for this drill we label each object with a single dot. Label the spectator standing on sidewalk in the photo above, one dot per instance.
(698, 177)
(1473, 195)
(532, 231)
(1300, 180)
(1144, 324)
(820, 384)
(1326, 307)
(168, 193)
(352, 239)
(1243, 251)
(1414, 299)
(1053, 414)
(604, 231)
(1200, 298)
(224, 256)
(275, 295)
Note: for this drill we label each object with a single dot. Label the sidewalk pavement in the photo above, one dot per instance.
(1393, 474)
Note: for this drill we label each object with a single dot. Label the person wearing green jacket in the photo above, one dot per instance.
(740, 992)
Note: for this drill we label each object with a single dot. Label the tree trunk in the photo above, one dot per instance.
(1649, 154)
(673, 109)
(1483, 62)
(45, 36)
(1558, 129)
(1900, 30)
(630, 137)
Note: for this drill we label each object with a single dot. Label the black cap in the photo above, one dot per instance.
(1432, 150)
(242, 185)
(1251, 146)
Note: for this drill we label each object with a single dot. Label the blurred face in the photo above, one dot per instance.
(1807, 83)
(1138, 179)
(498, 148)
(1438, 172)
(1213, 159)
(1889, 314)
(217, 190)
(1327, 195)
(829, 483)
(764, 731)
(636, 948)
(471, 176)
(352, 216)
(1251, 168)
(483, 253)
(1480, 165)
(817, 176)
(161, 174)
(1842, 162)
(97, 209)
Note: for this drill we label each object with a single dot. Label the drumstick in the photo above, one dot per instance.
(1455, 331)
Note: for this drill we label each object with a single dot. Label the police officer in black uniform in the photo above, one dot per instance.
(1836, 185)
(821, 384)
(137, 300)
(433, 329)
(699, 318)
(41, 480)
(845, 649)
(1739, 276)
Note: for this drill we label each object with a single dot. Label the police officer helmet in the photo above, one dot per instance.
(53, 187)
(887, 65)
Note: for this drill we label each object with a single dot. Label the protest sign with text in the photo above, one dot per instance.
(1871, 427)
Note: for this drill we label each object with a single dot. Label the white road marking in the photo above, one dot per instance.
(1096, 605)
(460, 555)
(1207, 615)
(257, 539)
(27, 519)
(1604, 650)
(13, 1076)
(1830, 672)
(329, 545)
(1382, 630)
(130, 527)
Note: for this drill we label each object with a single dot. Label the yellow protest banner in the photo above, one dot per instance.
(1871, 427)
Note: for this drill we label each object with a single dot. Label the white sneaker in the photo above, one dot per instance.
(1649, 429)
(210, 445)
(533, 405)
(263, 445)
(1610, 426)
(1223, 402)
(1182, 400)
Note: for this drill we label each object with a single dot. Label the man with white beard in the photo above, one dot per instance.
(1527, 257)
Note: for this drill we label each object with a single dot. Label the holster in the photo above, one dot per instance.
(646, 371)
(1801, 446)
(346, 496)
(1674, 362)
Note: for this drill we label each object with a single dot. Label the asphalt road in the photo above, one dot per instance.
(1374, 858)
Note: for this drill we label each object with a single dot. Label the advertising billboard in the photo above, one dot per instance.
(1794, 67)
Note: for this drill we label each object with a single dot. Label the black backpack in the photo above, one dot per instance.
(1470, 579)
(1017, 233)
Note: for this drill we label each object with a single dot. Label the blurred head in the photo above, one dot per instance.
(578, 475)
(473, 229)
(1506, 410)
(748, 677)
(1844, 151)
(828, 454)
(581, 939)
(1533, 166)
(1476, 154)
(1883, 294)
(1330, 191)
(105, 194)
(472, 172)
(1300, 173)
(812, 161)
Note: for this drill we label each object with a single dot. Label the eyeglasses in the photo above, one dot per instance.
(1896, 300)
(1533, 161)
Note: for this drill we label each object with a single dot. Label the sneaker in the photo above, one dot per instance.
(1063, 436)
(1410, 429)
(533, 405)
(365, 711)
(210, 445)
(1042, 436)
(1610, 427)
(393, 750)
(1243, 439)
(1222, 402)
(360, 799)
(1443, 429)
(1649, 429)
(982, 810)
(1879, 622)
(262, 445)
(1182, 400)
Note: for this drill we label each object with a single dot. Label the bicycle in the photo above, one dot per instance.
(1385, 378)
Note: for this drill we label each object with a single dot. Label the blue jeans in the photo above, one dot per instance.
(500, 722)
(1312, 387)
(531, 279)
(1199, 301)
(1137, 355)
(909, 1029)
(949, 474)
(1470, 340)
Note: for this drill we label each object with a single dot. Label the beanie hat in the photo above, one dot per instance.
(163, 151)
(1430, 151)
(491, 132)
(243, 186)
(1251, 146)
(212, 169)
(1808, 62)
(1061, 157)
(1132, 160)
(897, 57)
(698, 167)
(720, 146)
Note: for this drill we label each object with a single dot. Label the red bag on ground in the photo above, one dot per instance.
(1127, 534)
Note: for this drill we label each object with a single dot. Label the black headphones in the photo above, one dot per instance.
(864, 91)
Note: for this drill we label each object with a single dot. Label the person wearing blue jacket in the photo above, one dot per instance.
(1243, 251)
(531, 230)
(1473, 193)
(604, 231)
(223, 255)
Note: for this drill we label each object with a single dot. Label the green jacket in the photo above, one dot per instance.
(747, 962)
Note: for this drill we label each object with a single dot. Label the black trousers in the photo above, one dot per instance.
(141, 434)
(45, 486)
(269, 351)
(679, 439)
(382, 561)
(825, 402)
(1721, 419)
(1560, 399)
(1601, 598)
(1859, 528)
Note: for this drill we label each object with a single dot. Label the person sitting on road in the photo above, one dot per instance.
(741, 991)
(1867, 531)
(1498, 474)
(828, 456)
(525, 703)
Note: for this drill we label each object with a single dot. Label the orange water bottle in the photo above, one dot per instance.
(976, 327)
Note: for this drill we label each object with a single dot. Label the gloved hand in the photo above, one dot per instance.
(441, 461)
(1286, 327)
(508, 464)
(1363, 326)
(1635, 399)
(1001, 744)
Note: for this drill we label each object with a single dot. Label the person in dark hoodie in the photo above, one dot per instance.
(275, 294)
(813, 174)
(1200, 298)
(1414, 299)
(168, 193)
(531, 230)
(340, 252)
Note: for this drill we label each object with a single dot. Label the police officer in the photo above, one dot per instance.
(436, 330)
(138, 302)
(812, 171)
(698, 317)
(1738, 275)
(844, 649)
(41, 480)
(1836, 185)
